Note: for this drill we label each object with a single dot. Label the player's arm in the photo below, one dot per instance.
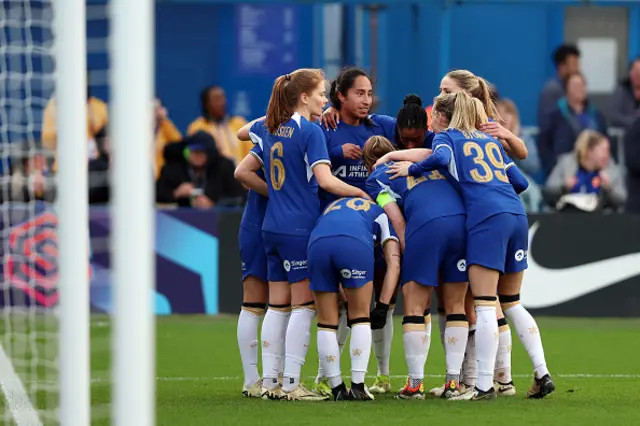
(243, 133)
(246, 174)
(510, 142)
(441, 157)
(516, 178)
(414, 155)
(394, 214)
(391, 249)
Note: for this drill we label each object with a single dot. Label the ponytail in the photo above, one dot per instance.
(279, 110)
(484, 95)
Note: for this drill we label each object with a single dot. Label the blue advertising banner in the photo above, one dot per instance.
(186, 249)
(266, 39)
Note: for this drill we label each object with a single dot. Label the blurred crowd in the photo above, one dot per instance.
(580, 158)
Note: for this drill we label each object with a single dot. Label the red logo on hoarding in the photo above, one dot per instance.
(32, 261)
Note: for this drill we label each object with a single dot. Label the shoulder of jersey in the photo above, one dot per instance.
(380, 170)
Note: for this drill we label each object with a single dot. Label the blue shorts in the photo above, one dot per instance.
(286, 256)
(254, 259)
(499, 242)
(436, 252)
(337, 260)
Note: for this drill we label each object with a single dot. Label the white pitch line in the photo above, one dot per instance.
(98, 380)
(17, 398)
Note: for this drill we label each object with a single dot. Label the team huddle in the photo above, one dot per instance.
(345, 205)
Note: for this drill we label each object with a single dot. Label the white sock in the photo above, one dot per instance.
(296, 346)
(486, 343)
(329, 354)
(360, 351)
(343, 329)
(455, 336)
(248, 323)
(469, 373)
(274, 330)
(427, 322)
(382, 340)
(415, 349)
(442, 325)
(342, 335)
(529, 334)
(502, 369)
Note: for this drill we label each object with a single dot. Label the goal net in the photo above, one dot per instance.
(29, 239)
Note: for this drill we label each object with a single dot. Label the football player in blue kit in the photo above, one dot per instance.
(352, 93)
(465, 81)
(433, 239)
(254, 269)
(295, 161)
(341, 252)
(497, 233)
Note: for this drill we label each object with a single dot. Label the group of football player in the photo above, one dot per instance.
(344, 205)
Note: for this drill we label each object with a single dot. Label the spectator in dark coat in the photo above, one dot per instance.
(572, 115)
(566, 59)
(625, 102)
(632, 161)
(196, 175)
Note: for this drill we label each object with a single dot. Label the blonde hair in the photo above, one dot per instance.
(376, 147)
(478, 88)
(286, 92)
(587, 140)
(461, 110)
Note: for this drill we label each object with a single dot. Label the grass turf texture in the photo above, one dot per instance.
(594, 362)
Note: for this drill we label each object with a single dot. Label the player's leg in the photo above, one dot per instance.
(254, 301)
(355, 264)
(469, 364)
(322, 385)
(382, 339)
(503, 382)
(415, 299)
(442, 321)
(276, 320)
(524, 323)
(486, 253)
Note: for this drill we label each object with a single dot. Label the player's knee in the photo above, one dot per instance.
(508, 301)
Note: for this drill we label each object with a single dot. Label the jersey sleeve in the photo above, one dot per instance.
(378, 187)
(316, 147)
(384, 229)
(516, 178)
(256, 133)
(440, 157)
(388, 125)
(256, 151)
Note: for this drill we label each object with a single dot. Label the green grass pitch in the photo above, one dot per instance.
(595, 364)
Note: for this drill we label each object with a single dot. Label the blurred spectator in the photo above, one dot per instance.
(572, 115)
(511, 117)
(31, 178)
(196, 175)
(99, 171)
(165, 131)
(625, 103)
(97, 119)
(566, 59)
(220, 125)
(587, 179)
(632, 161)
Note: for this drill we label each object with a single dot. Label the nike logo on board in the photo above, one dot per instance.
(543, 287)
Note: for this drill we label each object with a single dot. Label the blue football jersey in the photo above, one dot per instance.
(478, 166)
(357, 218)
(256, 206)
(289, 155)
(422, 198)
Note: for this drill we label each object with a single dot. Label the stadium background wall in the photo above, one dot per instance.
(199, 42)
